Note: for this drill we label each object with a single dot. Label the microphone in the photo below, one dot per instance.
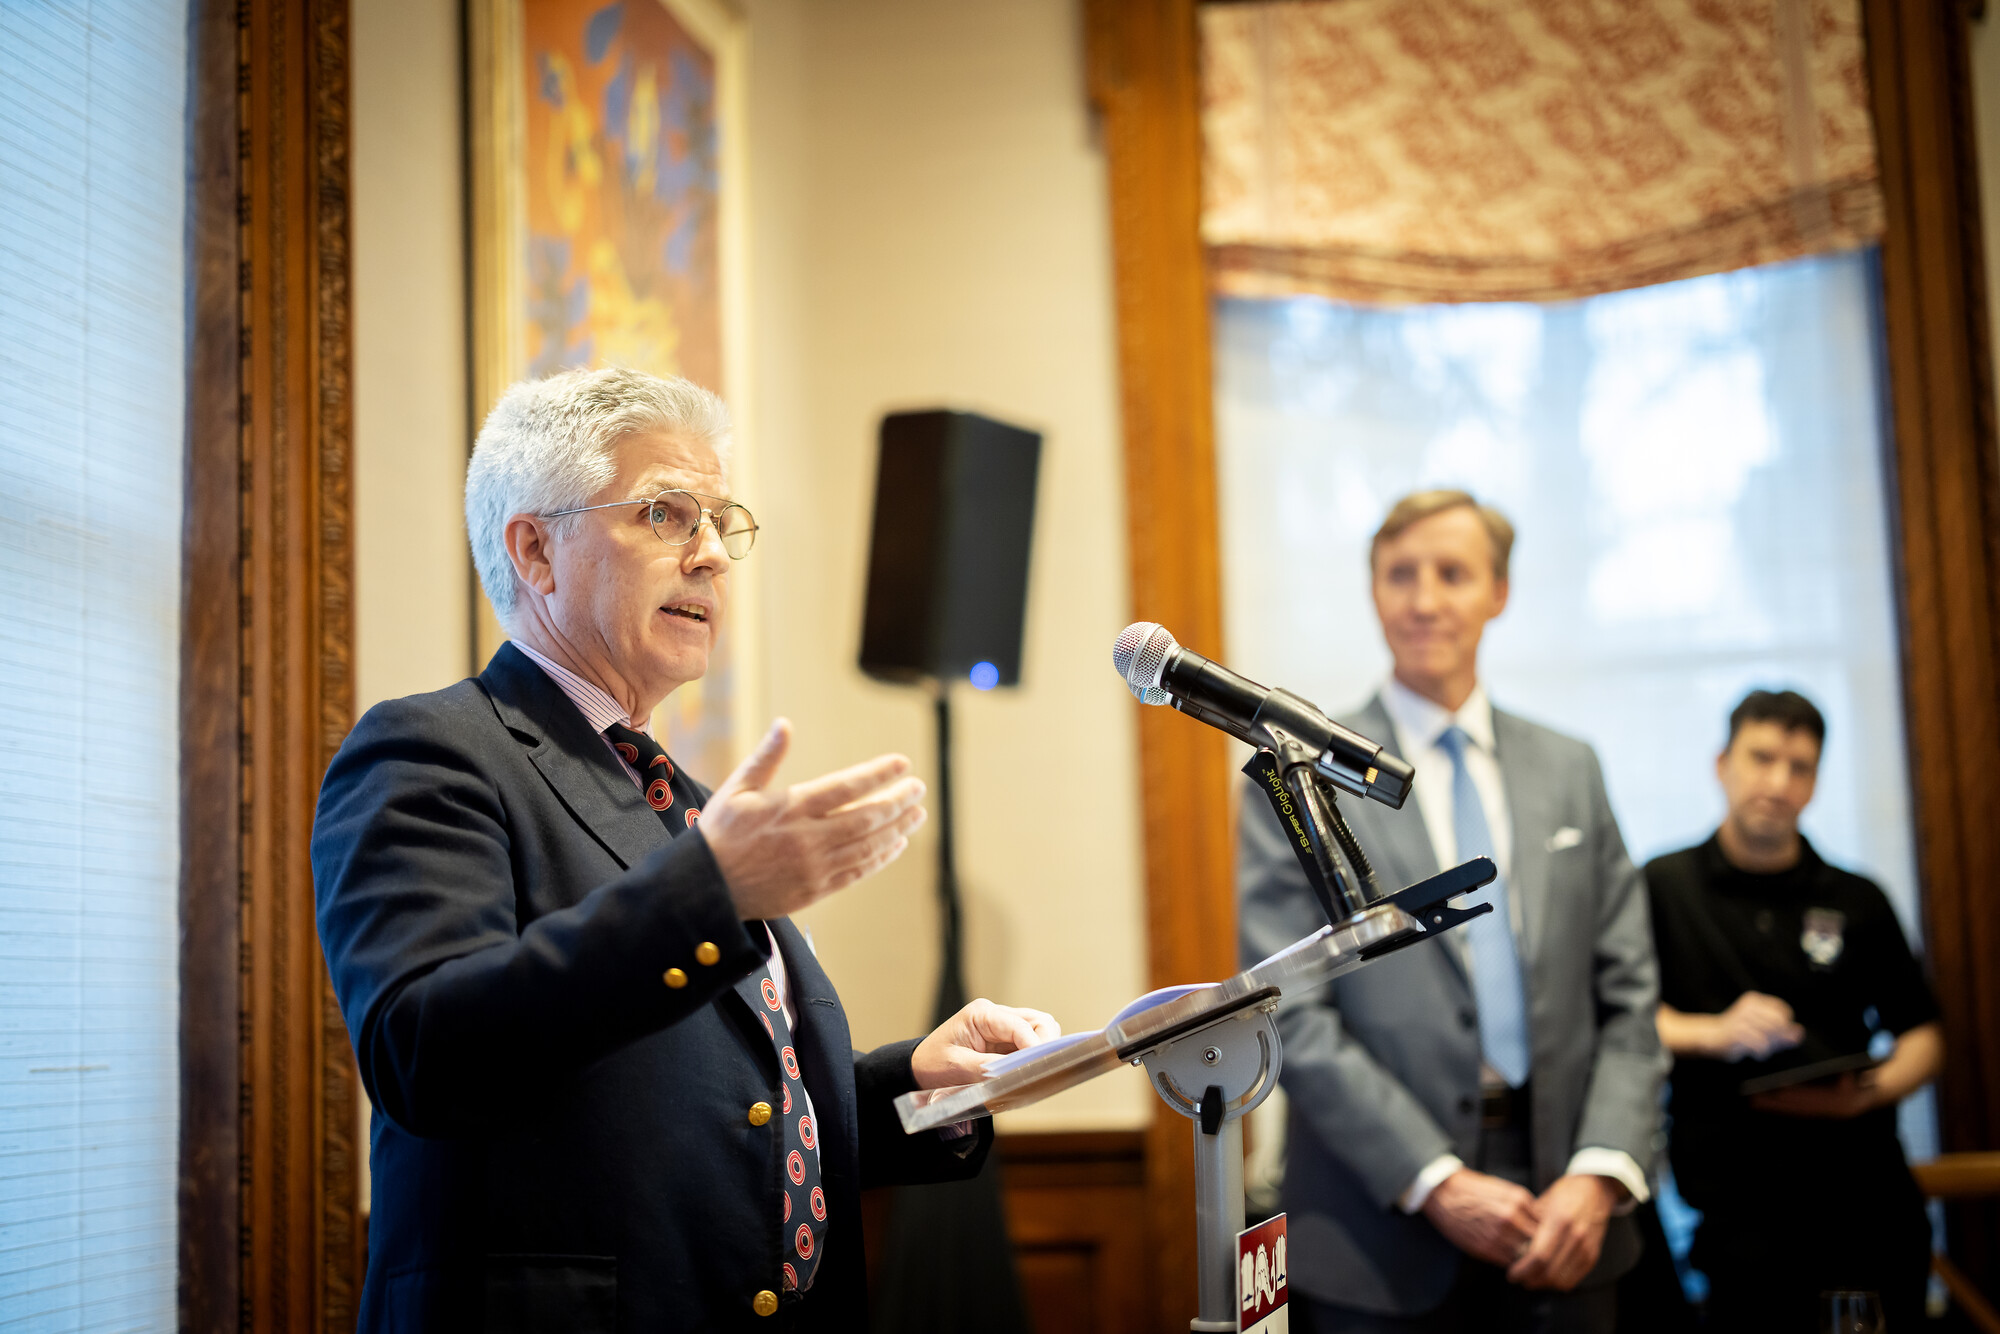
(1160, 671)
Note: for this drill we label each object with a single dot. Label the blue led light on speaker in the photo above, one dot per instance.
(984, 676)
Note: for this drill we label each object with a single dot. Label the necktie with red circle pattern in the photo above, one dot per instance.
(804, 1221)
(673, 800)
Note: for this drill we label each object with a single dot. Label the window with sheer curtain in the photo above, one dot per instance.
(1696, 473)
(91, 422)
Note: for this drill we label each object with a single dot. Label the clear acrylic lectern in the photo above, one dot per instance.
(1212, 1053)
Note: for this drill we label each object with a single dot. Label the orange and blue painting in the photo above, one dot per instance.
(621, 177)
(622, 191)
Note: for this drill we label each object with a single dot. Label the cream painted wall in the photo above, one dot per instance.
(412, 593)
(929, 228)
(412, 580)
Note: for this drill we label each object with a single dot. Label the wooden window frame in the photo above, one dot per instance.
(269, 1206)
(1143, 63)
(1946, 510)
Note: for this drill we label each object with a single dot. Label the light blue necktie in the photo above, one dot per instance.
(1496, 963)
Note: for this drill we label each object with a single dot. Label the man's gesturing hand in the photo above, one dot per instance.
(1575, 1210)
(956, 1051)
(785, 850)
(1488, 1218)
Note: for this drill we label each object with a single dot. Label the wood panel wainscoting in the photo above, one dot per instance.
(1076, 1213)
(1076, 1204)
(268, 1196)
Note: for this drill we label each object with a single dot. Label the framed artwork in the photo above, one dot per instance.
(607, 230)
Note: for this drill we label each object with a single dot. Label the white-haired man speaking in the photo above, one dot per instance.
(613, 1088)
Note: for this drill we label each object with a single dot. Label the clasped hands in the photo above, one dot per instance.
(1548, 1241)
(781, 850)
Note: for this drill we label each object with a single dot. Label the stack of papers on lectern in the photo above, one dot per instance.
(1023, 1078)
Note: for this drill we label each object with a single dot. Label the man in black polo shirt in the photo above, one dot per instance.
(1771, 959)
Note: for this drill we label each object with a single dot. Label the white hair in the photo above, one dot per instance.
(546, 446)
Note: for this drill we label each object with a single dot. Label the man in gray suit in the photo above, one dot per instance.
(1469, 1119)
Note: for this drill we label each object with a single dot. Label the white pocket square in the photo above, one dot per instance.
(1566, 837)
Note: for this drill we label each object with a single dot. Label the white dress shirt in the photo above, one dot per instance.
(1419, 723)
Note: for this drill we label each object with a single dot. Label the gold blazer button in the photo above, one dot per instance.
(765, 1303)
(674, 978)
(706, 953)
(760, 1112)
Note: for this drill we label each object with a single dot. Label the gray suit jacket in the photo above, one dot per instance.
(1382, 1065)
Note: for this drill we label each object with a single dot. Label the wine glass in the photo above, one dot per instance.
(1850, 1313)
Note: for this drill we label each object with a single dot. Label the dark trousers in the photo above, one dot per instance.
(1650, 1297)
(1481, 1299)
(1769, 1258)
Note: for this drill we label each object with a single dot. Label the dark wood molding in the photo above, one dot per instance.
(210, 1130)
(337, 1201)
(1144, 79)
(269, 1119)
(1947, 518)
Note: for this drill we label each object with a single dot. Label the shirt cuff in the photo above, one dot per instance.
(1432, 1176)
(1619, 1166)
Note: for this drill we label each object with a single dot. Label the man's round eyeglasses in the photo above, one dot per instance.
(677, 517)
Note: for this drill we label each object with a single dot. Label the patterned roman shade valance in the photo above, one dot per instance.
(1496, 150)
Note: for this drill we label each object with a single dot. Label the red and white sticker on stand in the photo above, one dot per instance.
(1260, 1279)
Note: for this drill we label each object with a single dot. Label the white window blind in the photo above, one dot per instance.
(1695, 471)
(92, 97)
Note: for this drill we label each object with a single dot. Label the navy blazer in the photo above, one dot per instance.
(562, 1141)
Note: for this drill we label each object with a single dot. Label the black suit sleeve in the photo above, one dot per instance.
(888, 1156)
(461, 1016)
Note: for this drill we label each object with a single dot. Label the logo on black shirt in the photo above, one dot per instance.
(1822, 940)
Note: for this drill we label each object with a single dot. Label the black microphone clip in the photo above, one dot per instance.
(1159, 671)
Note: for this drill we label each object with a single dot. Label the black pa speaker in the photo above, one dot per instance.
(948, 561)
